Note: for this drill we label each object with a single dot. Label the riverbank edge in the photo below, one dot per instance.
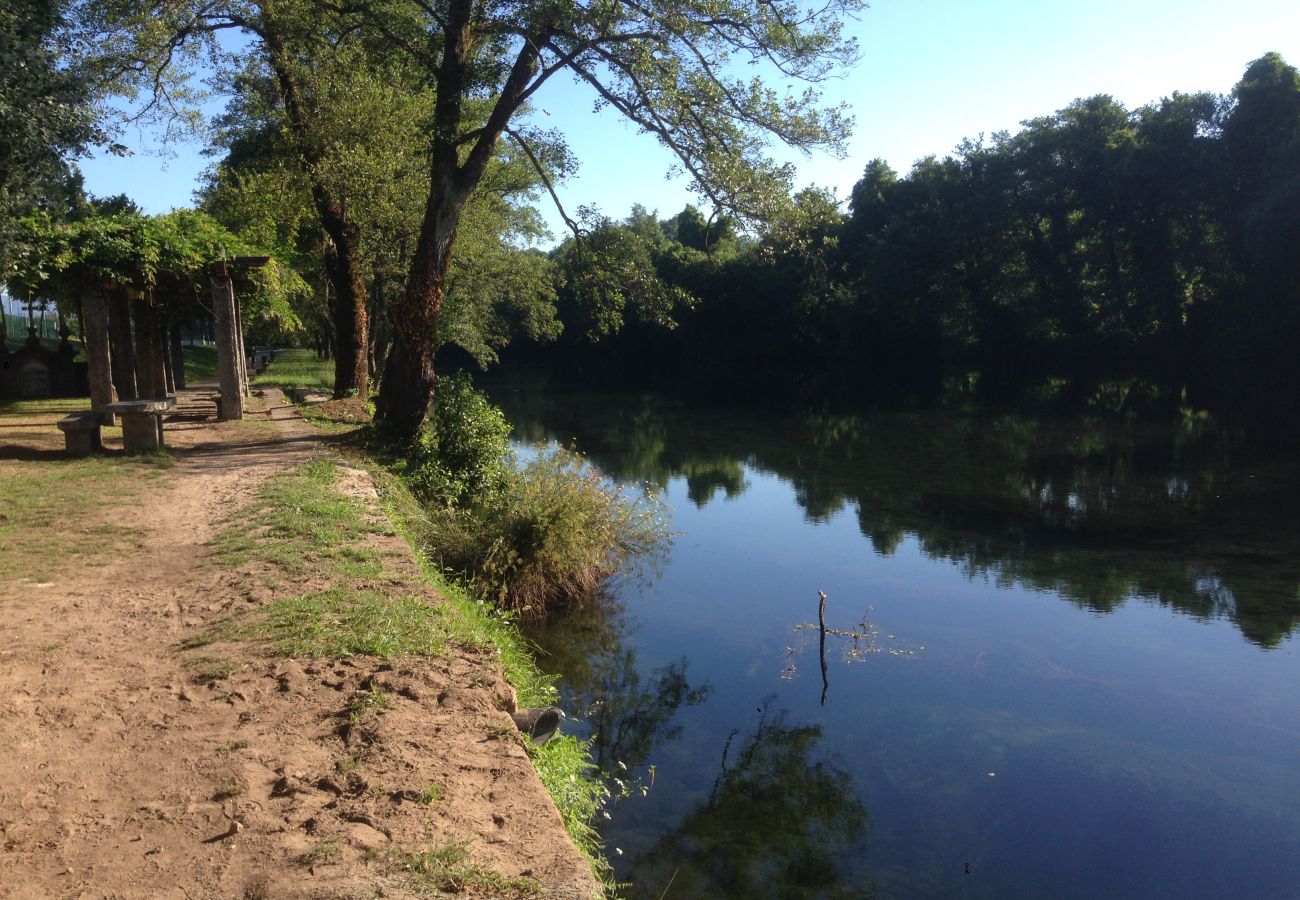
(237, 733)
(564, 765)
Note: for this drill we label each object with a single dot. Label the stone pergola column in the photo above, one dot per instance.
(243, 351)
(158, 338)
(99, 366)
(177, 356)
(119, 336)
(229, 343)
(146, 353)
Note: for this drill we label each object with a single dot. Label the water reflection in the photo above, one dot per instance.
(626, 716)
(1094, 509)
(856, 644)
(779, 822)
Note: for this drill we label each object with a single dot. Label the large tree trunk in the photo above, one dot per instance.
(351, 321)
(406, 389)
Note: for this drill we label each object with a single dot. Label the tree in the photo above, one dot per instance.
(45, 113)
(1261, 190)
(691, 229)
(301, 67)
(665, 66)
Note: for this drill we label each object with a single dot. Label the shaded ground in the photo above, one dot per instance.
(142, 760)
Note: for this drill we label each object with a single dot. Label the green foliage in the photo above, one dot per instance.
(614, 274)
(166, 255)
(555, 534)
(1096, 243)
(550, 533)
(565, 767)
(462, 458)
(46, 113)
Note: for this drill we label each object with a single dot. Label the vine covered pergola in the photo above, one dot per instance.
(133, 282)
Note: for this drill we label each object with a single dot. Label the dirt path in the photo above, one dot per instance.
(128, 774)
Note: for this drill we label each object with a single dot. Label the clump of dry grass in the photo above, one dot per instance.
(554, 536)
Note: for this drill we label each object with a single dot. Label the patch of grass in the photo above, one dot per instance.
(565, 766)
(298, 521)
(450, 868)
(205, 638)
(298, 369)
(432, 794)
(366, 700)
(210, 668)
(324, 852)
(326, 421)
(346, 622)
(46, 521)
(200, 362)
(228, 790)
(556, 534)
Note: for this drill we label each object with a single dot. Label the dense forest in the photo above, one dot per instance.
(1095, 244)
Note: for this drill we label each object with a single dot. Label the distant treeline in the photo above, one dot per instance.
(1161, 243)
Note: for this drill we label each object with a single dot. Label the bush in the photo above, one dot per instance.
(552, 533)
(463, 457)
(555, 535)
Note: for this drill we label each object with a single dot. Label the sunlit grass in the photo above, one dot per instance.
(298, 369)
(298, 522)
(345, 622)
(52, 511)
(451, 868)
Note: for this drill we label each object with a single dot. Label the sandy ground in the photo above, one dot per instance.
(124, 776)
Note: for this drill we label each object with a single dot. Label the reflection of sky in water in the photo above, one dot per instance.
(1057, 750)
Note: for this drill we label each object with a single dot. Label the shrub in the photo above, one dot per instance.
(463, 457)
(555, 534)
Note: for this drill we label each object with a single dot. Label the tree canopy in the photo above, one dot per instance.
(46, 114)
(1098, 242)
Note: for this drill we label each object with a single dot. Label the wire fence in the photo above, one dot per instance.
(16, 328)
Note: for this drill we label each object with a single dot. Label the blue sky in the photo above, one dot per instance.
(932, 73)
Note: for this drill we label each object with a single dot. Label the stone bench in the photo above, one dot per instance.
(81, 432)
(142, 424)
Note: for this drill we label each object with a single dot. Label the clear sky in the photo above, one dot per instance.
(932, 73)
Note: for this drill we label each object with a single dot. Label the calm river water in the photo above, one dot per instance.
(1062, 659)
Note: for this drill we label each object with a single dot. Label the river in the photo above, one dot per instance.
(1060, 657)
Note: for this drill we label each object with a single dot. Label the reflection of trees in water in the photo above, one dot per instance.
(1096, 509)
(629, 716)
(778, 823)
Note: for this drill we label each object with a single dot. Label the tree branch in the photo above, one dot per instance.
(550, 188)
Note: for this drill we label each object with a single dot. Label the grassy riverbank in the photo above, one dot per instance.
(564, 763)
